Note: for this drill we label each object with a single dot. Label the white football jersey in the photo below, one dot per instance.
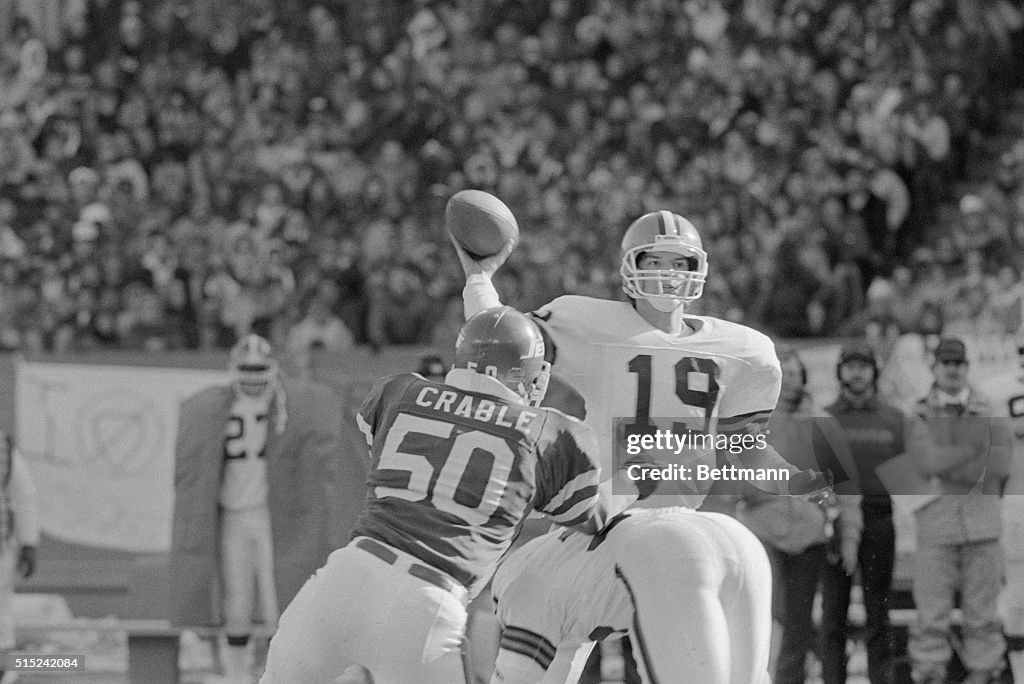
(569, 565)
(632, 375)
(244, 482)
(566, 588)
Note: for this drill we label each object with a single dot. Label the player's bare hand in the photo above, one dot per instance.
(487, 265)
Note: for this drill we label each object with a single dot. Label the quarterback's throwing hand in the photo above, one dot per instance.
(487, 265)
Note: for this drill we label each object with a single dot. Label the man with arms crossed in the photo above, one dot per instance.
(966, 454)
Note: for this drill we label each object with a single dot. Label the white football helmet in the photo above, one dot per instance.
(252, 367)
(663, 231)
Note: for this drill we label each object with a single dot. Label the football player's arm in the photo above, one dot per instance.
(479, 292)
(569, 488)
(515, 666)
(367, 415)
(749, 448)
(567, 667)
(744, 421)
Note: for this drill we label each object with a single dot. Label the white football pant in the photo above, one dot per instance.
(360, 609)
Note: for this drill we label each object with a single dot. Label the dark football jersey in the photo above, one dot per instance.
(454, 472)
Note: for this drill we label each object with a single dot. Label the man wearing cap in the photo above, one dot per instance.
(874, 430)
(965, 453)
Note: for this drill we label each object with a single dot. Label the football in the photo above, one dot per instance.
(480, 222)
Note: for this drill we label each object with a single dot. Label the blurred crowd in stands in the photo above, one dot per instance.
(176, 173)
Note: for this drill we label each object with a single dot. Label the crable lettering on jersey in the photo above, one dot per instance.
(475, 408)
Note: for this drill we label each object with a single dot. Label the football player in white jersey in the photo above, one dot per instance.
(245, 534)
(639, 365)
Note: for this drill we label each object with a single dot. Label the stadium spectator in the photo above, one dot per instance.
(907, 301)
(874, 431)
(309, 125)
(966, 454)
(788, 304)
(401, 312)
(318, 329)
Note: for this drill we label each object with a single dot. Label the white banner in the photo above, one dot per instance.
(99, 441)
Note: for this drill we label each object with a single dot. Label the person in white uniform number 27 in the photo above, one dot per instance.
(692, 589)
(246, 542)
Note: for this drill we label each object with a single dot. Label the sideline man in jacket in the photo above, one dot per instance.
(966, 454)
(874, 430)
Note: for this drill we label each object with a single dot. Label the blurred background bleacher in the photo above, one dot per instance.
(179, 171)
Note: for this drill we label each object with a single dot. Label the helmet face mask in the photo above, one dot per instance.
(504, 344)
(538, 387)
(665, 288)
(253, 369)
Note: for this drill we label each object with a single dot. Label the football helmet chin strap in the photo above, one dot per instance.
(534, 394)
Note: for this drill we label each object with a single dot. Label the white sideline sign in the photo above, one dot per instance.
(99, 440)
